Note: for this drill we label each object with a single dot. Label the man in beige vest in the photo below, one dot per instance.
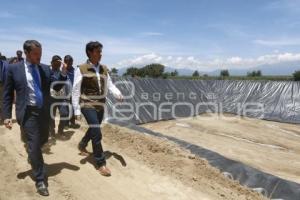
(91, 82)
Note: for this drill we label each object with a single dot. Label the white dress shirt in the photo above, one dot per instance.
(76, 92)
(30, 96)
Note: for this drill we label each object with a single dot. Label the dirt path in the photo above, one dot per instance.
(143, 168)
(268, 146)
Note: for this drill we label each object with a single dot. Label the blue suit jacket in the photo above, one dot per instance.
(16, 80)
(3, 70)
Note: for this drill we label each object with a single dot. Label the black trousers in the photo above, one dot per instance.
(72, 120)
(35, 128)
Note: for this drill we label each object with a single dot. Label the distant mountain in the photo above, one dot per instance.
(287, 68)
(275, 69)
(122, 70)
(182, 72)
(279, 69)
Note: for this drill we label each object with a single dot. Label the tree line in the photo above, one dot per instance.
(156, 70)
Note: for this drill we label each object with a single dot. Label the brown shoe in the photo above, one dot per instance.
(83, 151)
(104, 171)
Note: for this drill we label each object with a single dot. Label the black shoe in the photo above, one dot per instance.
(60, 131)
(42, 188)
(52, 133)
(81, 146)
(66, 127)
(75, 126)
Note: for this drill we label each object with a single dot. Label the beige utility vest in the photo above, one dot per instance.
(93, 96)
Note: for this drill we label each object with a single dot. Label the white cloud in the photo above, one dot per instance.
(209, 65)
(179, 59)
(169, 57)
(279, 42)
(191, 58)
(145, 59)
(124, 52)
(235, 60)
(62, 42)
(152, 34)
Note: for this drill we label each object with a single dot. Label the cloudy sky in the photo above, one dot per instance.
(198, 34)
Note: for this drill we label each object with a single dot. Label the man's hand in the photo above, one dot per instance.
(120, 98)
(64, 67)
(8, 123)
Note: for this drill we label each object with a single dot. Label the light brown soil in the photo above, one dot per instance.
(143, 167)
(268, 146)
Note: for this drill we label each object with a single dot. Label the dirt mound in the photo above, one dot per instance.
(167, 158)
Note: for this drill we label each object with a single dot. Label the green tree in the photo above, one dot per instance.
(196, 74)
(114, 71)
(175, 73)
(254, 73)
(153, 70)
(296, 75)
(166, 75)
(224, 73)
(131, 71)
(258, 73)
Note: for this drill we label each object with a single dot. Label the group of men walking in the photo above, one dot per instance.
(40, 90)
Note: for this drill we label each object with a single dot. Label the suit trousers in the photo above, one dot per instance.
(35, 132)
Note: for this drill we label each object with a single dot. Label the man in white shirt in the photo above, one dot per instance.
(91, 82)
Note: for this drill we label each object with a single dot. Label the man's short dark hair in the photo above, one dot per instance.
(91, 46)
(13, 60)
(68, 57)
(55, 58)
(30, 44)
(19, 52)
(2, 57)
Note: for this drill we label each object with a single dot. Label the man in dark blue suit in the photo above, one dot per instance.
(32, 82)
(3, 70)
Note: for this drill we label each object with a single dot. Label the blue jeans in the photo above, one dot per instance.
(94, 119)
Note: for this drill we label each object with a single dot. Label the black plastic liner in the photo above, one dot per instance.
(151, 100)
(269, 100)
(270, 186)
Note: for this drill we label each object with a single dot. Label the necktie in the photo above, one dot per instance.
(37, 86)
